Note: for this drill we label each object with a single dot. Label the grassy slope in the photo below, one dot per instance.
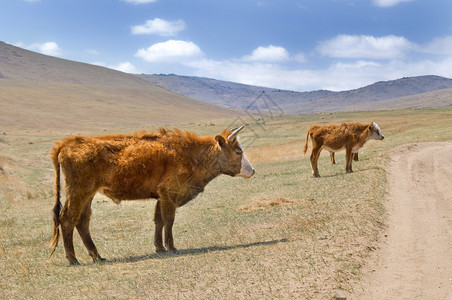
(41, 92)
(54, 106)
(279, 234)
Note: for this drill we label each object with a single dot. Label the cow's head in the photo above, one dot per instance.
(375, 132)
(232, 160)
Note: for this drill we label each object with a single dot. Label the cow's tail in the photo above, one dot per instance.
(57, 206)
(306, 142)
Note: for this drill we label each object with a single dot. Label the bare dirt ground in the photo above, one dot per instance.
(415, 261)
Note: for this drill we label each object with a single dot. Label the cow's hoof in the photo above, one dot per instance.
(160, 250)
(100, 260)
(171, 249)
(74, 262)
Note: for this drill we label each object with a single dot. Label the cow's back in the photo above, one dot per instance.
(120, 166)
(330, 136)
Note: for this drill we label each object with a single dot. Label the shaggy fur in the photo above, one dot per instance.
(171, 166)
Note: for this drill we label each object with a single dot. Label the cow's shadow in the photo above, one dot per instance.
(343, 173)
(193, 251)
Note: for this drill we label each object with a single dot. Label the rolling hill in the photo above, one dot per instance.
(44, 92)
(410, 92)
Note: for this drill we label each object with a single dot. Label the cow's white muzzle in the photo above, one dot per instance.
(247, 169)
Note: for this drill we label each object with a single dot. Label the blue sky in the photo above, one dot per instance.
(300, 45)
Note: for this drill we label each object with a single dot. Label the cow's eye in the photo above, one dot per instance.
(238, 152)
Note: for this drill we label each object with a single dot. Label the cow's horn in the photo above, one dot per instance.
(234, 133)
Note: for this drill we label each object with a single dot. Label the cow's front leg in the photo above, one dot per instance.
(158, 241)
(349, 159)
(168, 215)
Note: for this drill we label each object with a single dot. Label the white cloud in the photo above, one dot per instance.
(273, 54)
(440, 46)
(47, 48)
(388, 3)
(160, 27)
(139, 1)
(356, 65)
(269, 54)
(300, 58)
(259, 74)
(364, 46)
(125, 67)
(357, 68)
(170, 51)
(338, 76)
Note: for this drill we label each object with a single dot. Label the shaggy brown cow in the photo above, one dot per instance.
(333, 138)
(171, 166)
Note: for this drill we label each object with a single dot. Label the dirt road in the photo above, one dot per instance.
(415, 261)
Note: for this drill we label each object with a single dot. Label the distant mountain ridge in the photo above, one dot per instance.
(412, 91)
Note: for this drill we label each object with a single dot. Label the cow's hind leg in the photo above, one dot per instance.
(333, 161)
(76, 201)
(83, 230)
(67, 229)
(314, 160)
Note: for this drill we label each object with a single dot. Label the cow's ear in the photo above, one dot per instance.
(221, 141)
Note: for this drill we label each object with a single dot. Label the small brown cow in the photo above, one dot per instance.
(348, 136)
(171, 166)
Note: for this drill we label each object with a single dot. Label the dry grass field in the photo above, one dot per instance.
(280, 234)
